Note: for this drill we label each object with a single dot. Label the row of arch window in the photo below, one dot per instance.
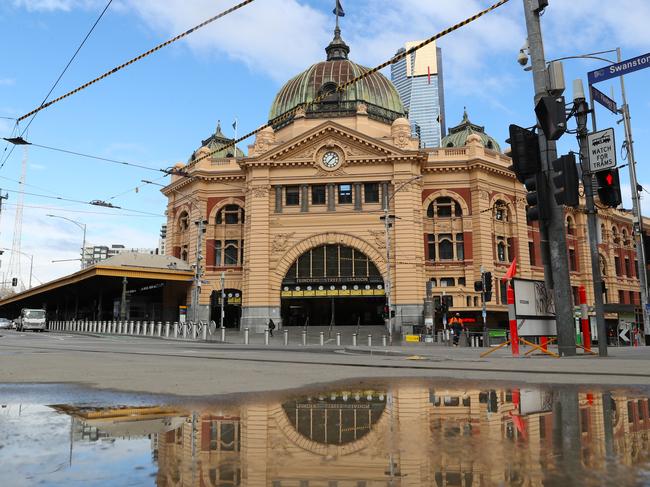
(228, 215)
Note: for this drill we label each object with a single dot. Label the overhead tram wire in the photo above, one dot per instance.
(137, 58)
(65, 209)
(341, 88)
(59, 78)
(71, 200)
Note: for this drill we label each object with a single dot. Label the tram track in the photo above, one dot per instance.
(385, 366)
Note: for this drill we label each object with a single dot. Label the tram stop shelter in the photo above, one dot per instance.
(152, 286)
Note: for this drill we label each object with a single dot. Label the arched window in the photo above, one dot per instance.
(615, 237)
(603, 265)
(570, 226)
(625, 240)
(230, 215)
(328, 91)
(444, 207)
(184, 254)
(501, 211)
(183, 221)
(502, 250)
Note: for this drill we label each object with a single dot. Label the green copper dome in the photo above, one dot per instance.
(215, 143)
(376, 91)
(458, 135)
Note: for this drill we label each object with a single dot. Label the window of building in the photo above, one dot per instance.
(628, 270)
(501, 212)
(184, 253)
(217, 253)
(617, 265)
(573, 263)
(570, 226)
(183, 221)
(434, 282)
(531, 253)
(576, 295)
(615, 238)
(503, 291)
(345, 194)
(461, 281)
(603, 266)
(231, 215)
(444, 207)
(621, 297)
(231, 252)
(468, 301)
(625, 241)
(446, 246)
(634, 269)
(447, 282)
(475, 300)
(371, 192)
(292, 195)
(318, 194)
(502, 249)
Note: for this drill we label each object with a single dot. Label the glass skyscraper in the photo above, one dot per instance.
(418, 79)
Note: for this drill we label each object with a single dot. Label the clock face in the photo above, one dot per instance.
(330, 159)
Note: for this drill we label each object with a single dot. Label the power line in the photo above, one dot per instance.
(59, 78)
(97, 203)
(64, 209)
(137, 58)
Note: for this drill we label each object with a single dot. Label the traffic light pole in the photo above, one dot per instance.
(484, 309)
(636, 207)
(555, 225)
(582, 111)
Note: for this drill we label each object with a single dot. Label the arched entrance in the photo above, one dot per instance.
(332, 284)
(231, 308)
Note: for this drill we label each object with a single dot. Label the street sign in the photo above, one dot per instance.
(604, 100)
(619, 69)
(602, 150)
(623, 333)
(647, 307)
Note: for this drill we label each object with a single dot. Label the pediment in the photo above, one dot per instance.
(354, 145)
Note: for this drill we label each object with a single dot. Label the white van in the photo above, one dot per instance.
(31, 319)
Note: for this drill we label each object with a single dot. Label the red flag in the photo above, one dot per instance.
(429, 73)
(512, 270)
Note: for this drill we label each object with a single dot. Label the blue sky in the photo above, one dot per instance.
(157, 111)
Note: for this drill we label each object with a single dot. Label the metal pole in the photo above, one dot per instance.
(31, 269)
(223, 296)
(582, 109)
(197, 271)
(388, 285)
(83, 247)
(123, 299)
(636, 204)
(555, 226)
(484, 309)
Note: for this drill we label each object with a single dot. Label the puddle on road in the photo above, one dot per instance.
(401, 433)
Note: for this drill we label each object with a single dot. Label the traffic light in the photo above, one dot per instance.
(487, 285)
(565, 179)
(525, 154)
(478, 286)
(384, 313)
(14, 281)
(609, 187)
(537, 197)
(551, 115)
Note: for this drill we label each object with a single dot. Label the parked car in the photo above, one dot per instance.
(31, 319)
(6, 323)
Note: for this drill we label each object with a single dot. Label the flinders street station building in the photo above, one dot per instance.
(295, 230)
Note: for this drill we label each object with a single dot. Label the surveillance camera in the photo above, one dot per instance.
(522, 58)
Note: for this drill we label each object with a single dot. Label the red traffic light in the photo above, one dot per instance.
(609, 179)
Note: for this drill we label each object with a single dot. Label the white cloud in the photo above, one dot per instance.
(7, 81)
(52, 5)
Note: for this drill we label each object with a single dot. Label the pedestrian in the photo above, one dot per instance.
(271, 327)
(456, 328)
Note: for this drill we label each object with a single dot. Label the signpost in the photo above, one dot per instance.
(534, 308)
(602, 150)
(619, 69)
(604, 100)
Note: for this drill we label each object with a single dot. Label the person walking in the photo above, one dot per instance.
(271, 327)
(456, 325)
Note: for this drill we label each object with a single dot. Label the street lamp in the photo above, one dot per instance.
(83, 227)
(388, 284)
(31, 262)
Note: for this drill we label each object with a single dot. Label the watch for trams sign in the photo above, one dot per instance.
(602, 150)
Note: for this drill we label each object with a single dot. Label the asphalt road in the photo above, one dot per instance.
(204, 369)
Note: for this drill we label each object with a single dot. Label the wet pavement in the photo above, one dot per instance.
(362, 433)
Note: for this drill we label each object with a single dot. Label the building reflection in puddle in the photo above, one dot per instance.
(403, 435)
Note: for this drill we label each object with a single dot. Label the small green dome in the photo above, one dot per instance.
(376, 91)
(215, 142)
(458, 135)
